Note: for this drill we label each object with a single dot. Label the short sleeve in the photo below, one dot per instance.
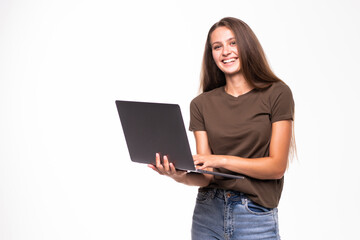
(282, 103)
(196, 117)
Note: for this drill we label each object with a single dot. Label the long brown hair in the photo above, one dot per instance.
(254, 65)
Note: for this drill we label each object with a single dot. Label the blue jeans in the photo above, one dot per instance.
(225, 215)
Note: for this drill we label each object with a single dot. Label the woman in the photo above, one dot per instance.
(242, 124)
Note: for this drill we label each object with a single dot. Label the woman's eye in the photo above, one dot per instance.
(233, 43)
(216, 47)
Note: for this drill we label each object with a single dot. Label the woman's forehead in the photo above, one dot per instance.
(221, 34)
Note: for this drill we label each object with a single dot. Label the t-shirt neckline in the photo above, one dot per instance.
(233, 97)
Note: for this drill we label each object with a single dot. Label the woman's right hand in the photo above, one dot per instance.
(168, 169)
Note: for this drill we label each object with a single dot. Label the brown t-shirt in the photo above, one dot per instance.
(241, 126)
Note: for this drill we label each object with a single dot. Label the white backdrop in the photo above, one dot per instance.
(65, 172)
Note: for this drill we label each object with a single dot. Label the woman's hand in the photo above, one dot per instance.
(168, 169)
(203, 161)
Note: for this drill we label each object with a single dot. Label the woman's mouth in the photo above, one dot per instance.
(226, 61)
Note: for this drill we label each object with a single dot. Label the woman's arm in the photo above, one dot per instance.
(272, 167)
(192, 179)
(203, 148)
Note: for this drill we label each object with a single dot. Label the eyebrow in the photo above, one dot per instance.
(225, 41)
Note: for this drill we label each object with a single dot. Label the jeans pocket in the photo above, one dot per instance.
(255, 208)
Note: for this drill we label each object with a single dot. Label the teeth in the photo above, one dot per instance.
(229, 60)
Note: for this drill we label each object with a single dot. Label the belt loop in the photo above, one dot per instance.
(243, 200)
(212, 193)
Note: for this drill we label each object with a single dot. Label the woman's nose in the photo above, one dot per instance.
(226, 51)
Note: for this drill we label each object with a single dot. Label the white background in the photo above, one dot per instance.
(65, 172)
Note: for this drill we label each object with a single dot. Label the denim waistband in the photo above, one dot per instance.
(225, 194)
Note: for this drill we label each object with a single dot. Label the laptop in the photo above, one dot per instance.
(151, 128)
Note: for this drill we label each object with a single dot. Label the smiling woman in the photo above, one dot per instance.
(242, 124)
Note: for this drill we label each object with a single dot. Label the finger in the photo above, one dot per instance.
(203, 166)
(199, 163)
(172, 168)
(158, 162)
(198, 159)
(154, 168)
(166, 164)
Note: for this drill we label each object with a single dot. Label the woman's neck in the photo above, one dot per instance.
(236, 85)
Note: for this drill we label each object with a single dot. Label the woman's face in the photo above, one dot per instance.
(224, 50)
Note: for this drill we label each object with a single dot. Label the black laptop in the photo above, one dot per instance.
(151, 128)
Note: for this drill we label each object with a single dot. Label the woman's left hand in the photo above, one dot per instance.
(208, 161)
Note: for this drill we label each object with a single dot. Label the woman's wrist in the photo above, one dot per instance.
(180, 178)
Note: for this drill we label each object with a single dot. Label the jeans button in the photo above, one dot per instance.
(228, 195)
